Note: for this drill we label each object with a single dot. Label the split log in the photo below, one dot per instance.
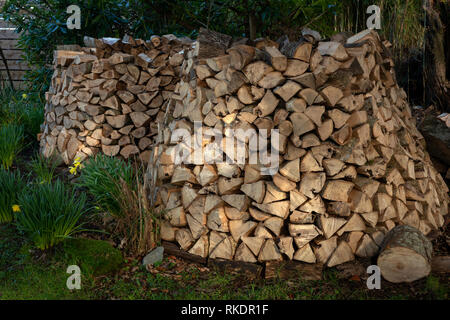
(276, 58)
(269, 251)
(211, 44)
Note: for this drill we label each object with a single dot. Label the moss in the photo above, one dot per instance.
(94, 257)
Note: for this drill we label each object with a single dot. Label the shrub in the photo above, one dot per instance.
(101, 176)
(138, 218)
(44, 168)
(11, 143)
(11, 185)
(121, 190)
(50, 213)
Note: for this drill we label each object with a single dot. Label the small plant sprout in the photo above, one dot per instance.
(12, 184)
(11, 144)
(44, 168)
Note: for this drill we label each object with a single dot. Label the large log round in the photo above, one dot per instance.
(405, 255)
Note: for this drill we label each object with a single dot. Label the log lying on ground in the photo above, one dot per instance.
(250, 271)
(293, 270)
(405, 256)
(441, 264)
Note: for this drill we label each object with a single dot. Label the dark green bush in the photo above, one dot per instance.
(50, 213)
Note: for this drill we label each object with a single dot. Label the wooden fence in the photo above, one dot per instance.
(16, 64)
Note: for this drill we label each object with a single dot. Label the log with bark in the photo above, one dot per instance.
(405, 255)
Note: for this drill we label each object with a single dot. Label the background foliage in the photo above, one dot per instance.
(44, 22)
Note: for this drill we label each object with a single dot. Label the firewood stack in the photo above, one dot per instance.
(352, 163)
(109, 96)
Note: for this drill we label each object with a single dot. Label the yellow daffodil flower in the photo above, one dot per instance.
(16, 208)
(73, 170)
(76, 164)
(24, 96)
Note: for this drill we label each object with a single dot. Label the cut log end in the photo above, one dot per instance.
(405, 256)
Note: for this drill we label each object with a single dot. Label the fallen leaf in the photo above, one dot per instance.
(355, 278)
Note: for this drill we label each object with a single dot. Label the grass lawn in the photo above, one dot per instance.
(27, 275)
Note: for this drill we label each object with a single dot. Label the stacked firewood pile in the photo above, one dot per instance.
(109, 96)
(352, 164)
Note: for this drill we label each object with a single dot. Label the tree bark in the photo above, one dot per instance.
(437, 85)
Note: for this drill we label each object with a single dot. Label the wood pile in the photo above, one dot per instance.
(352, 164)
(109, 96)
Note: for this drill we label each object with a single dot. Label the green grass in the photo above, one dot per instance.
(95, 257)
(43, 168)
(21, 116)
(22, 107)
(36, 282)
(23, 276)
(436, 289)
